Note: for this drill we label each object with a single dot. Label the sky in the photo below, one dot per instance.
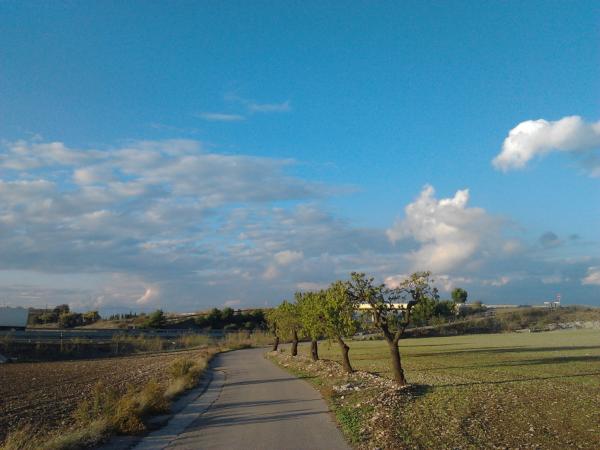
(185, 155)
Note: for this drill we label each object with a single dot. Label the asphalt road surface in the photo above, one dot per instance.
(261, 406)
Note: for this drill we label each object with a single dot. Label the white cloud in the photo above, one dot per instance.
(593, 276)
(448, 232)
(497, 282)
(311, 286)
(169, 224)
(552, 279)
(256, 107)
(150, 296)
(232, 303)
(449, 282)
(269, 107)
(270, 273)
(287, 257)
(538, 137)
(153, 209)
(221, 117)
(393, 281)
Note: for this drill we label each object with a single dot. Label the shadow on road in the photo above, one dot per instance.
(257, 403)
(224, 420)
(271, 380)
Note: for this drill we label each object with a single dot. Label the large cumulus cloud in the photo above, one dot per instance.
(533, 138)
(450, 234)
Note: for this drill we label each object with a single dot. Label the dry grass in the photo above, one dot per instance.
(246, 339)
(107, 412)
(185, 374)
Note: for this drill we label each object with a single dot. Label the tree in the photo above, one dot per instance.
(214, 318)
(227, 315)
(446, 308)
(156, 320)
(62, 309)
(422, 312)
(338, 317)
(70, 320)
(272, 317)
(459, 295)
(311, 317)
(91, 317)
(289, 323)
(257, 317)
(392, 308)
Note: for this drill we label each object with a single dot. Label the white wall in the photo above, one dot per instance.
(13, 317)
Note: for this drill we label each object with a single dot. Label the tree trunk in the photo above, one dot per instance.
(314, 350)
(295, 344)
(276, 344)
(345, 360)
(396, 362)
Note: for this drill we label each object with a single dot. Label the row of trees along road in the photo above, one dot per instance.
(332, 313)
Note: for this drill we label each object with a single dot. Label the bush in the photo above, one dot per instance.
(70, 320)
(180, 367)
(156, 320)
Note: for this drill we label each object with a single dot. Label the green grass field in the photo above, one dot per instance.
(517, 390)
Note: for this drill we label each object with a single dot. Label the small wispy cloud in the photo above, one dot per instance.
(593, 276)
(221, 117)
(269, 107)
(253, 106)
(170, 128)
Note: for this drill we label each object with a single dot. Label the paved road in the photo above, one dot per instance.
(261, 406)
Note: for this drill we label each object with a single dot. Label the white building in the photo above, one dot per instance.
(13, 318)
(368, 307)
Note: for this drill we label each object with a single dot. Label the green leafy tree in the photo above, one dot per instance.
(392, 308)
(48, 317)
(459, 295)
(156, 320)
(258, 318)
(272, 317)
(62, 309)
(290, 324)
(214, 318)
(338, 318)
(311, 317)
(227, 315)
(70, 320)
(445, 309)
(91, 317)
(423, 311)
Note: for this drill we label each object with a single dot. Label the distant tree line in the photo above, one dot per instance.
(228, 319)
(344, 307)
(63, 316)
(216, 319)
(127, 316)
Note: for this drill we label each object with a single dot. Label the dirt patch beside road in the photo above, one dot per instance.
(46, 394)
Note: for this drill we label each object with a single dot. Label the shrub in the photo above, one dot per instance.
(101, 404)
(122, 414)
(180, 367)
(156, 320)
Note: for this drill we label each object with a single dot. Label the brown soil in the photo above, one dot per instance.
(45, 394)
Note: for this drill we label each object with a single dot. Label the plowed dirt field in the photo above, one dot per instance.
(45, 394)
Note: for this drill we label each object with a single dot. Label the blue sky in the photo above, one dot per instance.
(330, 118)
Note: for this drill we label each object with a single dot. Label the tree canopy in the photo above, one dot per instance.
(459, 295)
